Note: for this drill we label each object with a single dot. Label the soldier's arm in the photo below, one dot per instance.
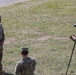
(3, 37)
(34, 64)
(17, 69)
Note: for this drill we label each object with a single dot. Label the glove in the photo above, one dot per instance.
(73, 38)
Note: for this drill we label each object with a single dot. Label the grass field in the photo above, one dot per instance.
(44, 26)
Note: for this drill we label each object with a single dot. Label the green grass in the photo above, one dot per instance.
(44, 26)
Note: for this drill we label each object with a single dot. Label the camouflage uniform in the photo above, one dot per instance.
(2, 38)
(23, 68)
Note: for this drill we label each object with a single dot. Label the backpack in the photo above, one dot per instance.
(29, 67)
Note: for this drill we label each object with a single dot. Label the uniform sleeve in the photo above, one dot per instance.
(34, 64)
(3, 39)
(17, 69)
(3, 36)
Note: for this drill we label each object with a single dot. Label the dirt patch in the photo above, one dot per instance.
(44, 38)
(29, 32)
(9, 40)
(52, 37)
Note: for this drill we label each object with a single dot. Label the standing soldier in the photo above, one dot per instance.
(26, 66)
(2, 38)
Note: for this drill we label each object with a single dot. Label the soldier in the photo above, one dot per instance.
(26, 66)
(2, 38)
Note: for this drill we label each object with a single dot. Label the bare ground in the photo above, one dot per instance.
(9, 40)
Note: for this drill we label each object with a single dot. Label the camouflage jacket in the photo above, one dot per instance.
(25, 67)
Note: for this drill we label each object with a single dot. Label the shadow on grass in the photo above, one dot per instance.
(8, 74)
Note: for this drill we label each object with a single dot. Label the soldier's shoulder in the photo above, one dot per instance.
(31, 59)
(20, 62)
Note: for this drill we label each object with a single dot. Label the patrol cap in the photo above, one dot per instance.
(24, 51)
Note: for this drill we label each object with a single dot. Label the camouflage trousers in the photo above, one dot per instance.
(1, 55)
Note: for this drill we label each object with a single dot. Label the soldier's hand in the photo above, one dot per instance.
(73, 38)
